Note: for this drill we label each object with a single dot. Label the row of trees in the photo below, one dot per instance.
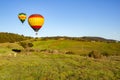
(11, 37)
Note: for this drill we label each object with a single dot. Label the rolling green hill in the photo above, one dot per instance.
(79, 47)
(60, 58)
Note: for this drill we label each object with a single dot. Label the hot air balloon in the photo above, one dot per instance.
(36, 21)
(22, 17)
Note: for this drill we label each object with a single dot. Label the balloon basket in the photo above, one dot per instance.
(36, 33)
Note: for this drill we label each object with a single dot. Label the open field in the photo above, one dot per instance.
(58, 67)
(60, 60)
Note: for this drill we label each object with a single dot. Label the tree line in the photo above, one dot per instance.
(11, 37)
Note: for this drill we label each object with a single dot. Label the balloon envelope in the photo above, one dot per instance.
(36, 21)
(22, 17)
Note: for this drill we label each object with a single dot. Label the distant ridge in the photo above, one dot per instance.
(85, 38)
(12, 37)
(97, 39)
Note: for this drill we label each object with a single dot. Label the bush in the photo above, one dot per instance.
(105, 54)
(69, 52)
(95, 54)
(30, 45)
(26, 44)
(23, 44)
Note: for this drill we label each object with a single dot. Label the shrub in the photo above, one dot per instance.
(105, 54)
(69, 52)
(30, 45)
(95, 54)
(25, 44)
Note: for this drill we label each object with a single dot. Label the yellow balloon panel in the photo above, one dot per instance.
(36, 21)
(22, 17)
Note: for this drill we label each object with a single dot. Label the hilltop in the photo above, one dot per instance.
(12, 37)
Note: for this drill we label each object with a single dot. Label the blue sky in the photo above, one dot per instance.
(75, 18)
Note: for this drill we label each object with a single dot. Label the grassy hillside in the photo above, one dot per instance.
(79, 47)
(60, 59)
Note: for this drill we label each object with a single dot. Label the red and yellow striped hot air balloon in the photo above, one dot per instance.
(22, 17)
(36, 21)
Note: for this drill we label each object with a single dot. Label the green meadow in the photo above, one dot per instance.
(60, 59)
(79, 47)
